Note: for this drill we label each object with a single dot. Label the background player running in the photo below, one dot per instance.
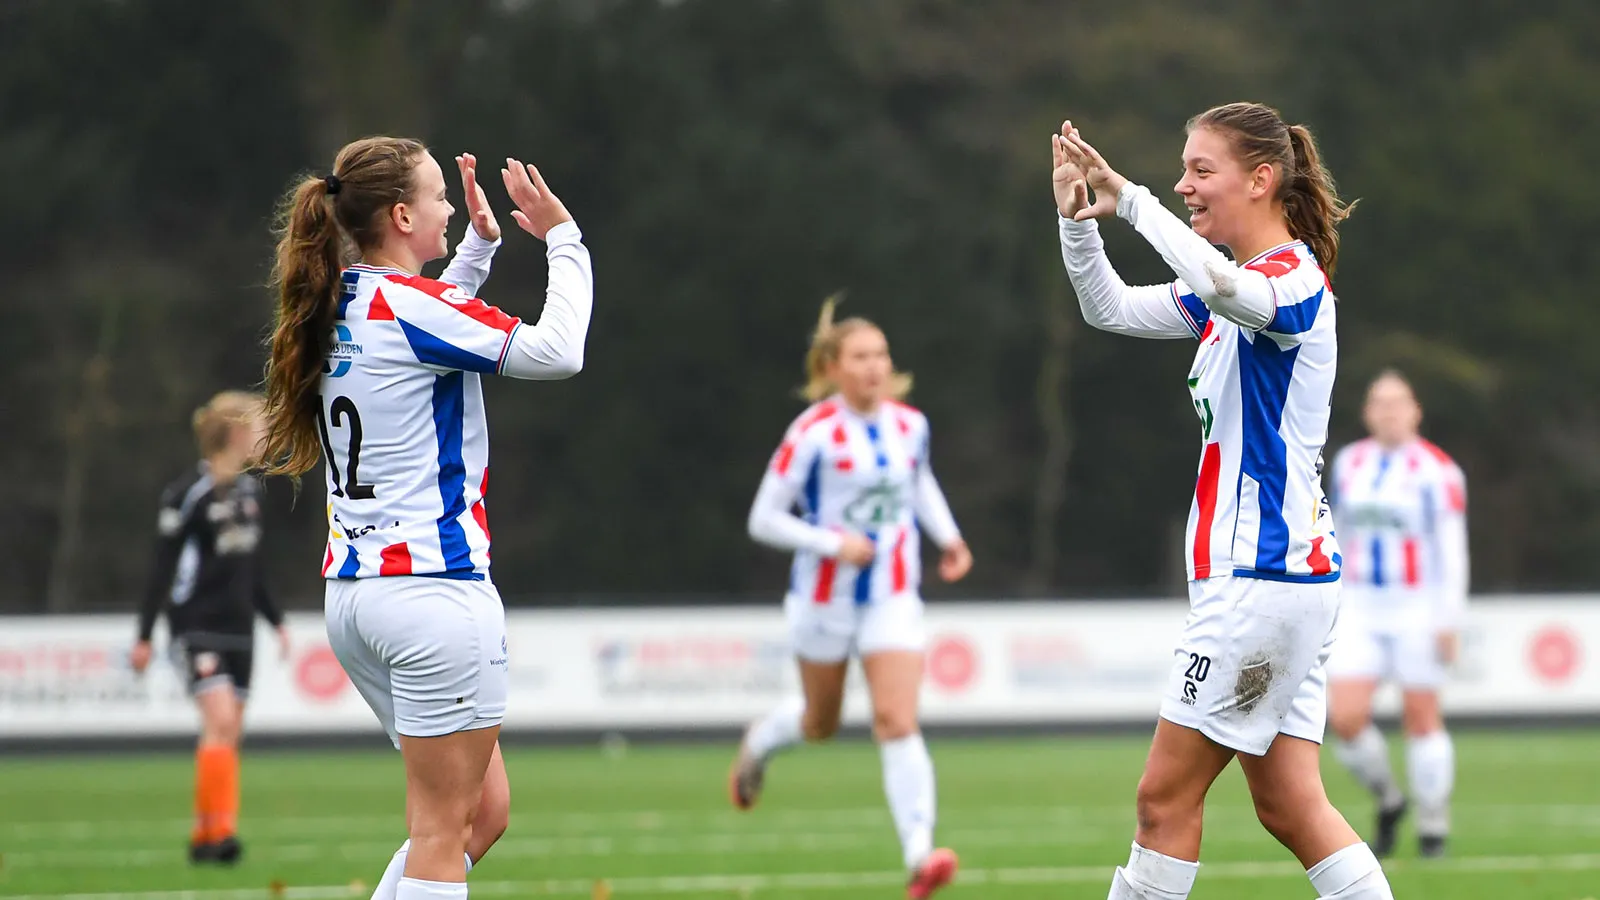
(1248, 679)
(1401, 506)
(376, 370)
(208, 580)
(856, 463)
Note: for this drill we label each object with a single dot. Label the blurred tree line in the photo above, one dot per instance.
(734, 161)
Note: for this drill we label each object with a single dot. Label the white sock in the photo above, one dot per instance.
(1367, 758)
(417, 889)
(390, 882)
(777, 730)
(908, 783)
(1431, 760)
(1350, 874)
(1151, 876)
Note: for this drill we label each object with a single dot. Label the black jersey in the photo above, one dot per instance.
(208, 572)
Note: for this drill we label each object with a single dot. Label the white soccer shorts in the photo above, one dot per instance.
(833, 631)
(1396, 646)
(1251, 663)
(427, 654)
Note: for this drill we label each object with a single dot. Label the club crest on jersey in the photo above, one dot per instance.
(874, 507)
(340, 353)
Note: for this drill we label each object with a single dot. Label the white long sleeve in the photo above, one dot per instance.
(933, 511)
(1454, 566)
(469, 268)
(1240, 295)
(772, 520)
(552, 348)
(1107, 302)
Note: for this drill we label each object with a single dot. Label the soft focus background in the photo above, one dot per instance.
(732, 162)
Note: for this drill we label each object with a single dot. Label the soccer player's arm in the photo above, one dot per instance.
(1248, 298)
(449, 329)
(772, 520)
(1109, 304)
(171, 528)
(469, 267)
(928, 501)
(262, 597)
(1450, 531)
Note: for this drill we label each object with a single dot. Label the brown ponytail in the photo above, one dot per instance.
(317, 220)
(825, 344)
(1305, 187)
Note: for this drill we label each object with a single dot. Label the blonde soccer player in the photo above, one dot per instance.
(849, 492)
(208, 582)
(1248, 679)
(1401, 504)
(375, 372)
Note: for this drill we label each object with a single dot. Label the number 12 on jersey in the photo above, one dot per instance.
(344, 415)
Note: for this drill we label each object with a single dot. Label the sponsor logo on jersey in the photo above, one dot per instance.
(341, 353)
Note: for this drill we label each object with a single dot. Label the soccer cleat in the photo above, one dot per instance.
(745, 779)
(1387, 833)
(937, 870)
(226, 851)
(1430, 846)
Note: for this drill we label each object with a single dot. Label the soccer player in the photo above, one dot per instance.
(1248, 679)
(208, 581)
(1401, 504)
(375, 370)
(856, 464)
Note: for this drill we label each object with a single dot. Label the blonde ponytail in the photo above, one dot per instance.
(826, 341)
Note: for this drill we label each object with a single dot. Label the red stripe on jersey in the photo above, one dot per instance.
(395, 560)
(1435, 452)
(814, 415)
(470, 307)
(378, 310)
(845, 464)
(479, 514)
(327, 561)
(899, 567)
(1278, 264)
(784, 458)
(1408, 551)
(1205, 498)
(839, 436)
(825, 575)
(1455, 497)
(1319, 561)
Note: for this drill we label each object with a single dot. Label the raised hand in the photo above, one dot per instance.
(538, 209)
(1102, 179)
(1072, 191)
(483, 221)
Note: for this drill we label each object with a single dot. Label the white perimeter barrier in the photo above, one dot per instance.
(695, 667)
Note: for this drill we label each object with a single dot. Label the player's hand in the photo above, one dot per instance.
(1448, 645)
(139, 656)
(483, 220)
(955, 562)
(1072, 191)
(538, 209)
(284, 644)
(1103, 180)
(857, 550)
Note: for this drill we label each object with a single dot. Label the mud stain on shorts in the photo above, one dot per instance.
(1256, 675)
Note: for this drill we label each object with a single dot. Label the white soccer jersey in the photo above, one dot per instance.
(405, 441)
(846, 472)
(1402, 520)
(1261, 383)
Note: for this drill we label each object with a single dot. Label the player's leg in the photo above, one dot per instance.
(216, 757)
(1168, 809)
(493, 815)
(1359, 659)
(1430, 754)
(820, 636)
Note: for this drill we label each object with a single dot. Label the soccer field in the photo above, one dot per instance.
(1045, 817)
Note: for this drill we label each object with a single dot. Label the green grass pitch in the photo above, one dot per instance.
(1038, 817)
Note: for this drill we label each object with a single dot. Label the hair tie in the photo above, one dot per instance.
(333, 183)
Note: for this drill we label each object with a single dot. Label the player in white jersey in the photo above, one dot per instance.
(1248, 679)
(1401, 504)
(375, 372)
(856, 465)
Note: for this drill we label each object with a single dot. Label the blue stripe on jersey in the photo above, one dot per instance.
(811, 492)
(877, 444)
(1285, 577)
(348, 281)
(864, 577)
(448, 415)
(1193, 309)
(1377, 561)
(352, 563)
(1265, 371)
(1428, 511)
(435, 351)
(1296, 318)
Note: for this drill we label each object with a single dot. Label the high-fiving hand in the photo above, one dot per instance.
(483, 221)
(1078, 169)
(538, 208)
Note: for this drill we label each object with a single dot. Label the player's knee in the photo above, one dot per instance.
(1163, 807)
(892, 725)
(818, 726)
(1347, 723)
(1280, 818)
(1420, 717)
(491, 820)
